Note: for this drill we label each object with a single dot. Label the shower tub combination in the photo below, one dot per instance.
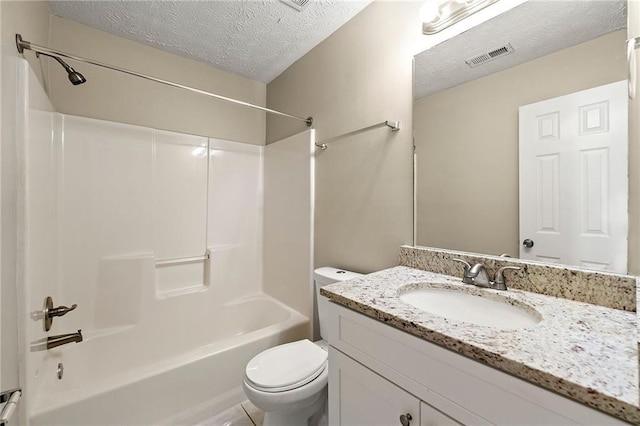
(161, 383)
(158, 237)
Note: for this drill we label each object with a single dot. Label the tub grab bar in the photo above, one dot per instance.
(11, 398)
(180, 260)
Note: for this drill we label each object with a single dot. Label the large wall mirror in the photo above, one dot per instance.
(521, 136)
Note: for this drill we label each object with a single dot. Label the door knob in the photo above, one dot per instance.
(527, 243)
(405, 419)
(50, 312)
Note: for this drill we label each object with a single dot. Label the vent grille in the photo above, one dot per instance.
(296, 4)
(490, 55)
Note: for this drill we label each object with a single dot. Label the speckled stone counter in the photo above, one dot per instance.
(600, 288)
(579, 350)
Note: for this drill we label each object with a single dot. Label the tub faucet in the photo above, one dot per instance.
(63, 339)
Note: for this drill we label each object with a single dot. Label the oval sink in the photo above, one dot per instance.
(470, 308)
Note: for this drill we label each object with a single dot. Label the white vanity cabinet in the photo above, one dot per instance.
(358, 396)
(378, 373)
(429, 416)
(362, 397)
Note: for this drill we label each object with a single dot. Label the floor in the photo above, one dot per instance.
(243, 414)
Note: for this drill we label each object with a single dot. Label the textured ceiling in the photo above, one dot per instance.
(255, 39)
(534, 29)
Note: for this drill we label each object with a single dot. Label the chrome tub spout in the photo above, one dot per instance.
(63, 339)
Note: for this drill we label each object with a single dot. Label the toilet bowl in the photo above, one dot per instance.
(289, 382)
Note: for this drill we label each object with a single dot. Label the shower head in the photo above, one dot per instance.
(74, 76)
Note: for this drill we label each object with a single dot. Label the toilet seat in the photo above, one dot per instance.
(286, 367)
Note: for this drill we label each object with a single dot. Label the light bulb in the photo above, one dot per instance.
(430, 11)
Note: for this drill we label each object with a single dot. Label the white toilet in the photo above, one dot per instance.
(289, 382)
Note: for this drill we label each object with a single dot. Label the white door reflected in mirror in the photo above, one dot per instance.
(573, 179)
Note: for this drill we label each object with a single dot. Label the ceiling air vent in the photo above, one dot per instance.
(489, 56)
(296, 4)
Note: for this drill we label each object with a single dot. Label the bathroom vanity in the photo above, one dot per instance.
(391, 362)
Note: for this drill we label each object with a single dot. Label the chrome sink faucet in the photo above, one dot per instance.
(466, 277)
(498, 282)
(478, 276)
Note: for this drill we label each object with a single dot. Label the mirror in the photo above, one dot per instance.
(466, 127)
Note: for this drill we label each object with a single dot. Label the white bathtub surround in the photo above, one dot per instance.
(111, 212)
(582, 351)
(36, 122)
(601, 288)
(289, 182)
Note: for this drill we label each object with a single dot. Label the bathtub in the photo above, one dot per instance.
(138, 376)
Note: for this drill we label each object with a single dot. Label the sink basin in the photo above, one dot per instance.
(497, 312)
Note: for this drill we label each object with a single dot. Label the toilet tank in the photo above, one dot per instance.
(322, 277)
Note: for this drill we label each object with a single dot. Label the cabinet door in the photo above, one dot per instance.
(429, 416)
(359, 397)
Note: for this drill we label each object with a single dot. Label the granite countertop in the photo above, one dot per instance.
(583, 351)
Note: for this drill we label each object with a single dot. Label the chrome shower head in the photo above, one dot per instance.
(74, 76)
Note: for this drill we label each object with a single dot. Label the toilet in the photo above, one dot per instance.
(289, 382)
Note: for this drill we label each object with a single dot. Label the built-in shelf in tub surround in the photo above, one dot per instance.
(599, 288)
(580, 350)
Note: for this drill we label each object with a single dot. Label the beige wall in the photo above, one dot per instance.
(467, 144)
(113, 96)
(31, 18)
(359, 76)
(634, 149)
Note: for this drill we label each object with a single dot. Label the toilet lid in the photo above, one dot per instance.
(286, 366)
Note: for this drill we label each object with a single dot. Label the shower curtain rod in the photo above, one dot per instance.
(394, 125)
(23, 44)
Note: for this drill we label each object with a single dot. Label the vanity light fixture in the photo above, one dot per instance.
(436, 15)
